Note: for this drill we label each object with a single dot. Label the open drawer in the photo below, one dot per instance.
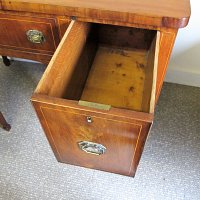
(96, 99)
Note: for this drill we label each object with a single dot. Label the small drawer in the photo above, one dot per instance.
(28, 34)
(96, 99)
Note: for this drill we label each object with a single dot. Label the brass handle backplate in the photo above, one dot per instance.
(92, 148)
(35, 36)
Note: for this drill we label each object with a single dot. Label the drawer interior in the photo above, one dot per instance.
(104, 64)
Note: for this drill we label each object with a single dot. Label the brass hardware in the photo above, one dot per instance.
(92, 148)
(89, 119)
(94, 105)
(35, 36)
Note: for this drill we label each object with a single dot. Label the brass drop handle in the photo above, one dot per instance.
(92, 148)
(35, 36)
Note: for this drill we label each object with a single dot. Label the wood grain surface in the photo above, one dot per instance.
(122, 131)
(117, 78)
(82, 57)
(14, 41)
(67, 125)
(18, 39)
(40, 57)
(167, 39)
(63, 23)
(171, 13)
(120, 77)
(64, 61)
(151, 68)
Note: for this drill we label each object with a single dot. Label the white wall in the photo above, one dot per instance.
(184, 66)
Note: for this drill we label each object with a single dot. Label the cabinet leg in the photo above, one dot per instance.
(3, 123)
(6, 61)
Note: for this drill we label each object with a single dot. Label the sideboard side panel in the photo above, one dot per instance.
(167, 40)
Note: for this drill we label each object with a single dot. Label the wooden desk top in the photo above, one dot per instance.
(157, 13)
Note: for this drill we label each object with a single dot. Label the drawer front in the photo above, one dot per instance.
(114, 84)
(91, 140)
(32, 34)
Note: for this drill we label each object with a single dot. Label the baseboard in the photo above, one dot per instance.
(183, 77)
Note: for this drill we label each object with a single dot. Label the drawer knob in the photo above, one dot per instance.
(89, 119)
(92, 148)
(35, 36)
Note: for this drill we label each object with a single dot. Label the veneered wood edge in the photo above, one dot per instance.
(148, 102)
(40, 86)
(167, 39)
(153, 91)
(30, 14)
(113, 16)
(43, 58)
(62, 21)
(45, 127)
(146, 129)
(175, 23)
(64, 60)
(70, 104)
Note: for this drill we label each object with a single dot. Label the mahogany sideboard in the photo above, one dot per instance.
(108, 60)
